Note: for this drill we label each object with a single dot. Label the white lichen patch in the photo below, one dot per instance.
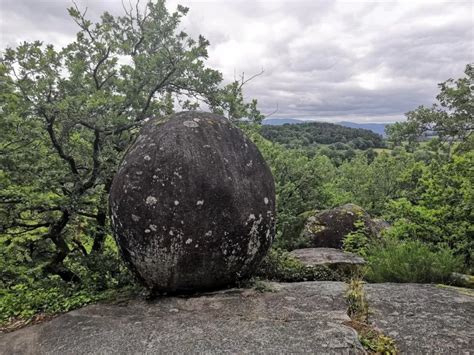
(191, 124)
(206, 146)
(147, 230)
(171, 232)
(177, 174)
(135, 218)
(196, 120)
(254, 240)
(139, 172)
(265, 200)
(153, 227)
(208, 233)
(147, 158)
(189, 241)
(249, 164)
(200, 203)
(151, 200)
(176, 202)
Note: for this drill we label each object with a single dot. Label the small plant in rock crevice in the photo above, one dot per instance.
(374, 341)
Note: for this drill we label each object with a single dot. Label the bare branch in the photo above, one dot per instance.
(272, 113)
(243, 81)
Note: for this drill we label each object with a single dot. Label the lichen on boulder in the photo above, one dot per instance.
(327, 229)
(192, 204)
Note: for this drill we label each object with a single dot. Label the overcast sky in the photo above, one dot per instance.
(347, 60)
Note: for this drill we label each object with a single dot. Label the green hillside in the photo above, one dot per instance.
(317, 133)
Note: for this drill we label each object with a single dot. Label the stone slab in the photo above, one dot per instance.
(297, 318)
(301, 317)
(424, 319)
(327, 256)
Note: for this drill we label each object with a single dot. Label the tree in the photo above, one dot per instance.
(68, 115)
(452, 120)
(229, 101)
(437, 207)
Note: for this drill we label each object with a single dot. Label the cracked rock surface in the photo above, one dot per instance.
(301, 317)
(424, 319)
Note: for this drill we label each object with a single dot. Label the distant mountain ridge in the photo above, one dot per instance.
(281, 121)
(374, 127)
(378, 128)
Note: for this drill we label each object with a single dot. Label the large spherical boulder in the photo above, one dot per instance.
(192, 204)
(328, 228)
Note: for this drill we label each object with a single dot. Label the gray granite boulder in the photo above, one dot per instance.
(327, 229)
(192, 204)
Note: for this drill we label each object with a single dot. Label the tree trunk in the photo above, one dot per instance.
(56, 266)
(101, 220)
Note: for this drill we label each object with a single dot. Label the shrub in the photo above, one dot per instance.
(357, 241)
(26, 291)
(410, 261)
(356, 299)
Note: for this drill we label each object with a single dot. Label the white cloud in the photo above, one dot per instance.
(344, 60)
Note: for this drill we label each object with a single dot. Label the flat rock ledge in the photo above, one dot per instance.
(345, 264)
(301, 317)
(327, 257)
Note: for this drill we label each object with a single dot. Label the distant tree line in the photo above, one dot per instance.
(312, 134)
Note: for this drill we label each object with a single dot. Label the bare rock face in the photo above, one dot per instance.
(193, 204)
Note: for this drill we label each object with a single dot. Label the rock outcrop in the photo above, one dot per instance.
(192, 204)
(424, 319)
(306, 317)
(343, 263)
(328, 228)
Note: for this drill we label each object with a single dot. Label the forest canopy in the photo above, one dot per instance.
(313, 133)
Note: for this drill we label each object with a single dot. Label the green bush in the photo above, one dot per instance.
(26, 290)
(410, 261)
(357, 241)
(23, 301)
(280, 265)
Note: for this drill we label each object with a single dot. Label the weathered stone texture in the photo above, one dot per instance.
(193, 204)
(328, 228)
(295, 318)
(424, 319)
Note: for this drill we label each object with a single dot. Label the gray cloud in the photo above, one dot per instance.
(324, 60)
